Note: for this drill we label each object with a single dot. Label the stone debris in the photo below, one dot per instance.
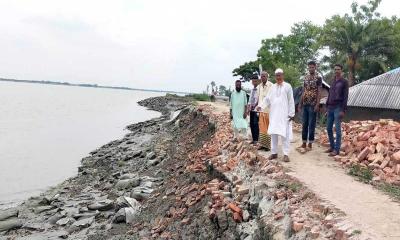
(65, 221)
(103, 205)
(125, 215)
(8, 213)
(11, 223)
(127, 183)
(83, 223)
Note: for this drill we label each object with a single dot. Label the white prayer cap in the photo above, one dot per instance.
(278, 71)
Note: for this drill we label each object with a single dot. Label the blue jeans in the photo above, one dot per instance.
(309, 122)
(334, 118)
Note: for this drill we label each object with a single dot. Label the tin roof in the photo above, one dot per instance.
(382, 91)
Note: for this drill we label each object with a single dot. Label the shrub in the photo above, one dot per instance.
(199, 97)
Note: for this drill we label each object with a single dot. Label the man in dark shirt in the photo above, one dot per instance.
(309, 105)
(337, 106)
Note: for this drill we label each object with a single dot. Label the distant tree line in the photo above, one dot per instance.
(221, 90)
(364, 42)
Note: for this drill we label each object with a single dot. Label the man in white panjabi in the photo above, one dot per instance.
(281, 114)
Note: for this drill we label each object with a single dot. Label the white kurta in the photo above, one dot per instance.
(262, 92)
(281, 104)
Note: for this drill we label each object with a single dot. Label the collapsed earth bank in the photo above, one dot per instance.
(179, 176)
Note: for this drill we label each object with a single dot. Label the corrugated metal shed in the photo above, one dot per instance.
(382, 91)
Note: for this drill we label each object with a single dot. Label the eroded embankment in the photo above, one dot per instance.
(175, 179)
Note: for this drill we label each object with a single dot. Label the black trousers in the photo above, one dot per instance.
(255, 131)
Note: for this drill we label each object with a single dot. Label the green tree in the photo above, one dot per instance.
(290, 53)
(246, 70)
(212, 85)
(295, 49)
(222, 90)
(364, 42)
(228, 92)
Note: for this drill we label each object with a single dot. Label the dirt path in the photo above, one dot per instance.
(219, 106)
(367, 209)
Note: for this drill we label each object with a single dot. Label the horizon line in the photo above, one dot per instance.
(94, 85)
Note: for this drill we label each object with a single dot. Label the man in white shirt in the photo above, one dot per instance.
(262, 90)
(251, 110)
(281, 112)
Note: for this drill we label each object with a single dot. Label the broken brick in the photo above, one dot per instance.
(234, 208)
(297, 227)
(237, 217)
(396, 157)
(363, 154)
(242, 190)
(185, 221)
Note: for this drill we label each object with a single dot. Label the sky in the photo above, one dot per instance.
(179, 45)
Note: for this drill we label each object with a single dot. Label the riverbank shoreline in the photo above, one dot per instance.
(36, 217)
(184, 177)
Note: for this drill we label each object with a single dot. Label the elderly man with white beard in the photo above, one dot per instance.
(282, 110)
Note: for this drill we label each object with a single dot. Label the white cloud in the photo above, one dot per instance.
(179, 45)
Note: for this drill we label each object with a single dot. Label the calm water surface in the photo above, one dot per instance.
(45, 130)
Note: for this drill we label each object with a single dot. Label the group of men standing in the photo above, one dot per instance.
(336, 105)
(271, 109)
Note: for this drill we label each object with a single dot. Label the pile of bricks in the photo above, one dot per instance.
(222, 201)
(242, 180)
(371, 144)
(229, 196)
(211, 154)
(185, 197)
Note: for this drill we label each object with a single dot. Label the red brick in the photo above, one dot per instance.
(397, 169)
(315, 232)
(384, 164)
(396, 157)
(278, 216)
(297, 227)
(212, 213)
(185, 221)
(237, 217)
(388, 170)
(234, 208)
(243, 190)
(340, 235)
(363, 154)
(380, 148)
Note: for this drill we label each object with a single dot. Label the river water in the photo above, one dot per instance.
(45, 131)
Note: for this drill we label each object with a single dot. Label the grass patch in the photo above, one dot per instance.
(199, 97)
(356, 232)
(322, 120)
(307, 195)
(363, 174)
(293, 186)
(391, 190)
(121, 163)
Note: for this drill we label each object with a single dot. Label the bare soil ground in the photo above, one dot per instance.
(368, 209)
